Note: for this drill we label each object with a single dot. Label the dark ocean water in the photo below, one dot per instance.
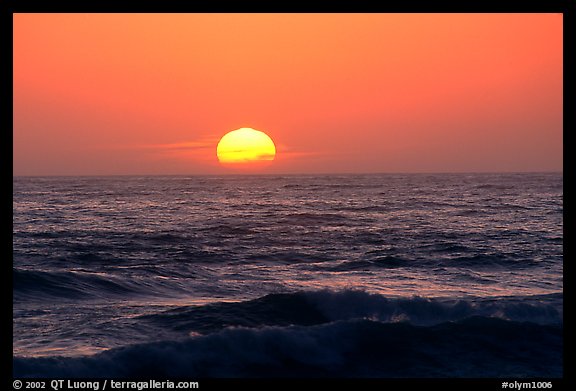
(451, 275)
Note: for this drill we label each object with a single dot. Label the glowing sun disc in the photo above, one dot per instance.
(245, 145)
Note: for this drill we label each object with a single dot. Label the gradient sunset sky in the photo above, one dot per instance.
(100, 94)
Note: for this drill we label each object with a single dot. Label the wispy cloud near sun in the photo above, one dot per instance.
(181, 146)
(201, 150)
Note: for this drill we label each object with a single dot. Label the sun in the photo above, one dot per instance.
(245, 147)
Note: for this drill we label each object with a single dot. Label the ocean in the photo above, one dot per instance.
(380, 275)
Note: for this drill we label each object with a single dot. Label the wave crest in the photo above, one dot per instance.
(325, 306)
(352, 348)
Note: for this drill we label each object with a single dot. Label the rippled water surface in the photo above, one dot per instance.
(167, 265)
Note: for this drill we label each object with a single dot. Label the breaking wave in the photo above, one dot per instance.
(336, 334)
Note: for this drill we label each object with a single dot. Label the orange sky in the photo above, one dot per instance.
(100, 94)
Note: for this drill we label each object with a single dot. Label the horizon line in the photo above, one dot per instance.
(297, 174)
